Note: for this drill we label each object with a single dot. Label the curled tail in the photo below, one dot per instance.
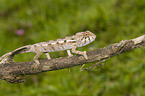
(8, 57)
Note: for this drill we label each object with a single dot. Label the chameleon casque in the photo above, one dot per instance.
(71, 42)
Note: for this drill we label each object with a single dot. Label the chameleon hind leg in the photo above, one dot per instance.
(37, 56)
(48, 56)
(36, 59)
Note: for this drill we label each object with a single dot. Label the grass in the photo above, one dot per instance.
(111, 21)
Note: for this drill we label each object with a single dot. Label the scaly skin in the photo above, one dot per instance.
(71, 42)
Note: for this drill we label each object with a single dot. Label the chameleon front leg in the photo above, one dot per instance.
(79, 52)
(69, 53)
(48, 56)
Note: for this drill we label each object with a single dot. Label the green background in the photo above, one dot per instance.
(44, 20)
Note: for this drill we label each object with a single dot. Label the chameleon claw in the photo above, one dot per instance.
(36, 64)
(69, 53)
(85, 55)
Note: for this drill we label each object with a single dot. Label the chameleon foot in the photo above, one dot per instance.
(85, 55)
(36, 64)
(69, 53)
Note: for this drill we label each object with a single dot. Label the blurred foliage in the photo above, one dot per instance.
(111, 21)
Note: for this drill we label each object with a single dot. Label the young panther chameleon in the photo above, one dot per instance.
(71, 42)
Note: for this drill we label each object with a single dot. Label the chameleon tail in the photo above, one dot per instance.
(8, 57)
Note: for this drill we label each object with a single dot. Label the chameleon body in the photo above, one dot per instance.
(71, 42)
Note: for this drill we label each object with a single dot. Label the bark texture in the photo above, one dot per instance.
(10, 72)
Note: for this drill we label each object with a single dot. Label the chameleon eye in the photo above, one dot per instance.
(86, 34)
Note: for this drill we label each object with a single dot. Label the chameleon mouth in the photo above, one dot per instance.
(92, 39)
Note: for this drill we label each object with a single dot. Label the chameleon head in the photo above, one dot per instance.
(84, 38)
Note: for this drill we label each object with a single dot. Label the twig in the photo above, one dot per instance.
(98, 63)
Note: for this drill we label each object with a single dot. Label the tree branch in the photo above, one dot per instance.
(10, 71)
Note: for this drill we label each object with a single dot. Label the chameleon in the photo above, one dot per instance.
(70, 42)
